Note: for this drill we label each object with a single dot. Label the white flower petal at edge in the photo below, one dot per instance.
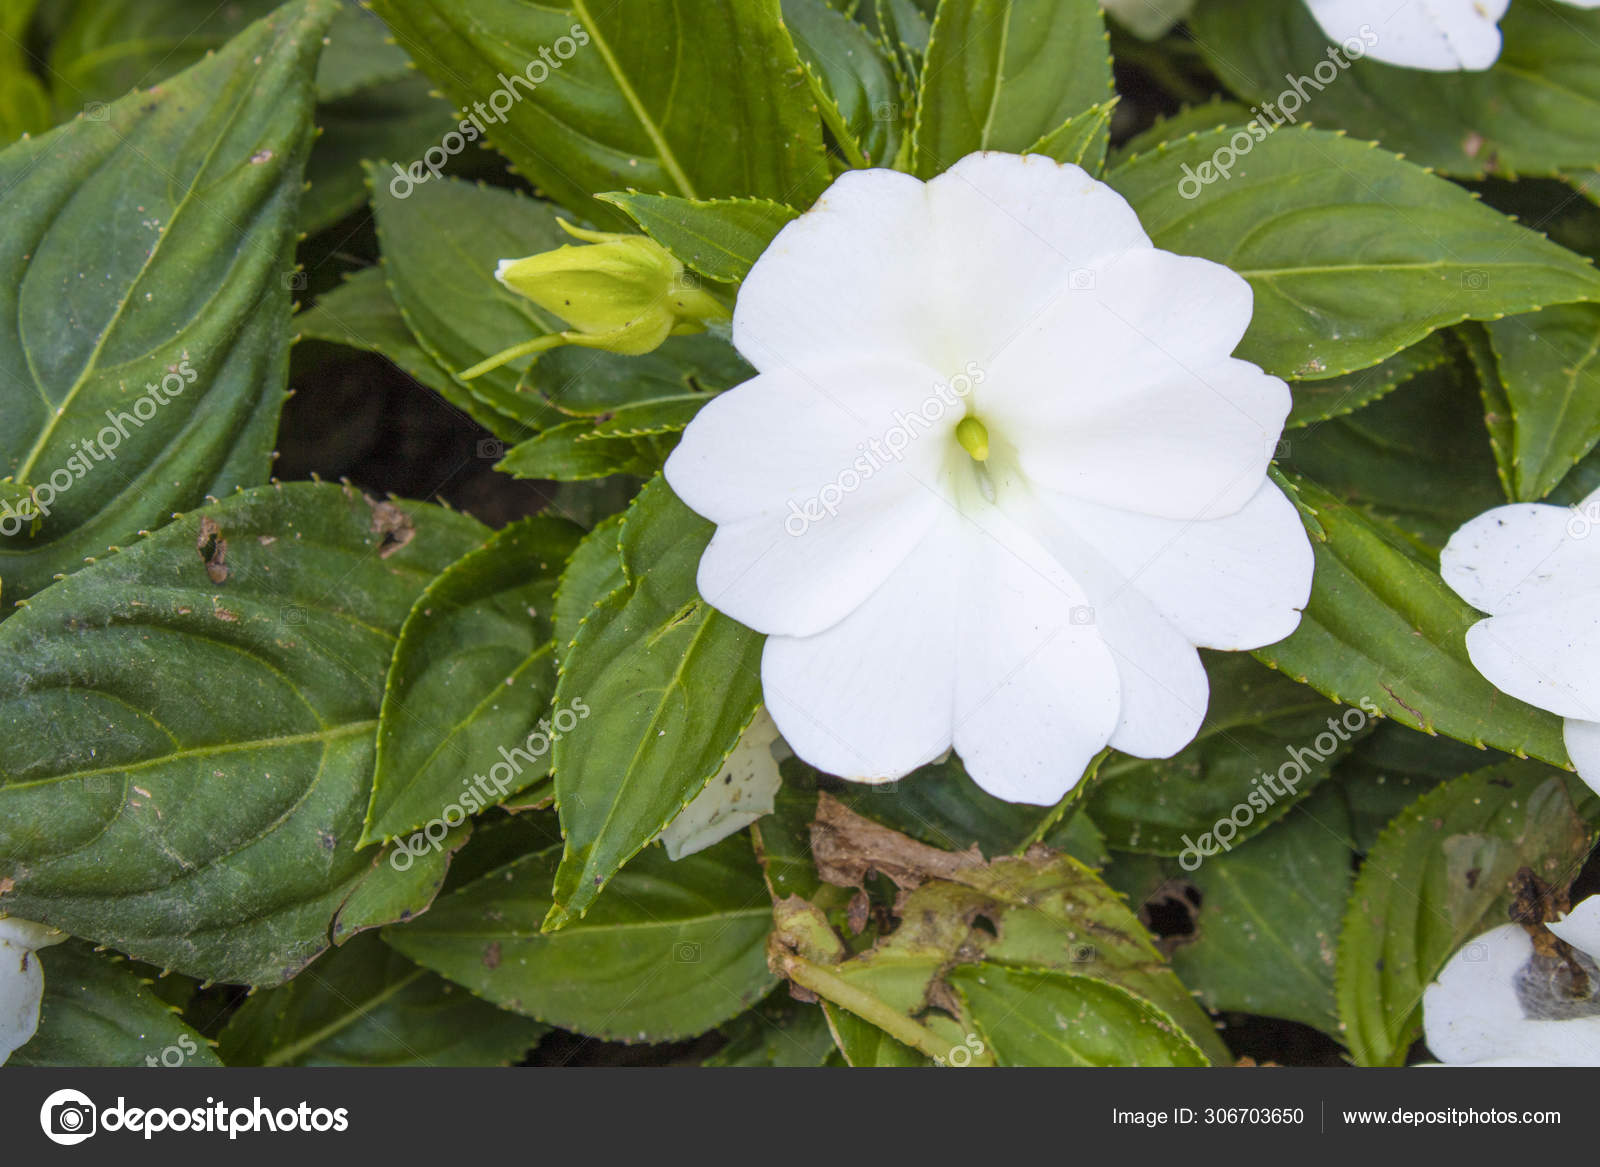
(996, 480)
(21, 980)
(1535, 569)
(743, 790)
(1493, 1003)
(1442, 36)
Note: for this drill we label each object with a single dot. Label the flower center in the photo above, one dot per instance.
(974, 438)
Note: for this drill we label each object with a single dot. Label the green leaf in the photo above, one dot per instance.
(1187, 122)
(178, 332)
(366, 1005)
(1353, 253)
(1002, 74)
(1383, 627)
(1037, 1017)
(1441, 874)
(1548, 366)
(360, 313)
(97, 1011)
(1267, 927)
(940, 805)
(1258, 724)
(593, 572)
(855, 85)
(703, 101)
(572, 452)
(1331, 397)
(104, 50)
(721, 239)
(670, 685)
(1418, 458)
(203, 726)
(1534, 112)
(780, 1032)
(1081, 140)
(672, 950)
(1391, 768)
(470, 684)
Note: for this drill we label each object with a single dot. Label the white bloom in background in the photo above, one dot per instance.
(1497, 1004)
(742, 791)
(1444, 36)
(1150, 19)
(1535, 569)
(997, 478)
(21, 980)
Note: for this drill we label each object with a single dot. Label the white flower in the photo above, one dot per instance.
(1444, 36)
(21, 980)
(1536, 570)
(1149, 19)
(1497, 1004)
(743, 790)
(997, 477)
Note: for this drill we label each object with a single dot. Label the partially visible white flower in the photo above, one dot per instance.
(21, 980)
(1150, 19)
(997, 478)
(1443, 36)
(741, 793)
(1535, 568)
(1498, 1004)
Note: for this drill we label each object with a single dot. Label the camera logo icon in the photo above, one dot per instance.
(68, 1117)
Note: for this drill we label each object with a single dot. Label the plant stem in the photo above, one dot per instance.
(864, 1005)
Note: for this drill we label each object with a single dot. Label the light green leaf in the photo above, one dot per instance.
(593, 572)
(1002, 74)
(1383, 627)
(670, 951)
(366, 1005)
(1441, 874)
(704, 100)
(574, 452)
(1039, 1017)
(670, 685)
(721, 240)
(1548, 365)
(1188, 121)
(855, 85)
(470, 684)
(1354, 254)
(168, 353)
(1081, 140)
(201, 710)
(98, 1011)
(1535, 112)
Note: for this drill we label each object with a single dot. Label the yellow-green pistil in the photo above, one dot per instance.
(974, 438)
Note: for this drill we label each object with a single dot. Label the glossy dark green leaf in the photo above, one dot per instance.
(1439, 875)
(98, 1011)
(670, 685)
(671, 950)
(202, 711)
(1549, 363)
(1354, 254)
(854, 82)
(366, 1005)
(1330, 397)
(593, 572)
(466, 708)
(1002, 74)
(167, 351)
(1391, 768)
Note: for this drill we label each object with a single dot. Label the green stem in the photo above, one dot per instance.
(864, 1005)
(537, 345)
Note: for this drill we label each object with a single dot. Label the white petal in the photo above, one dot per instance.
(851, 275)
(1583, 747)
(1012, 234)
(1440, 35)
(1471, 1013)
(1515, 556)
(743, 790)
(21, 980)
(1548, 655)
(1581, 927)
(1151, 19)
(1238, 582)
(870, 698)
(1124, 393)
(1037, 690)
